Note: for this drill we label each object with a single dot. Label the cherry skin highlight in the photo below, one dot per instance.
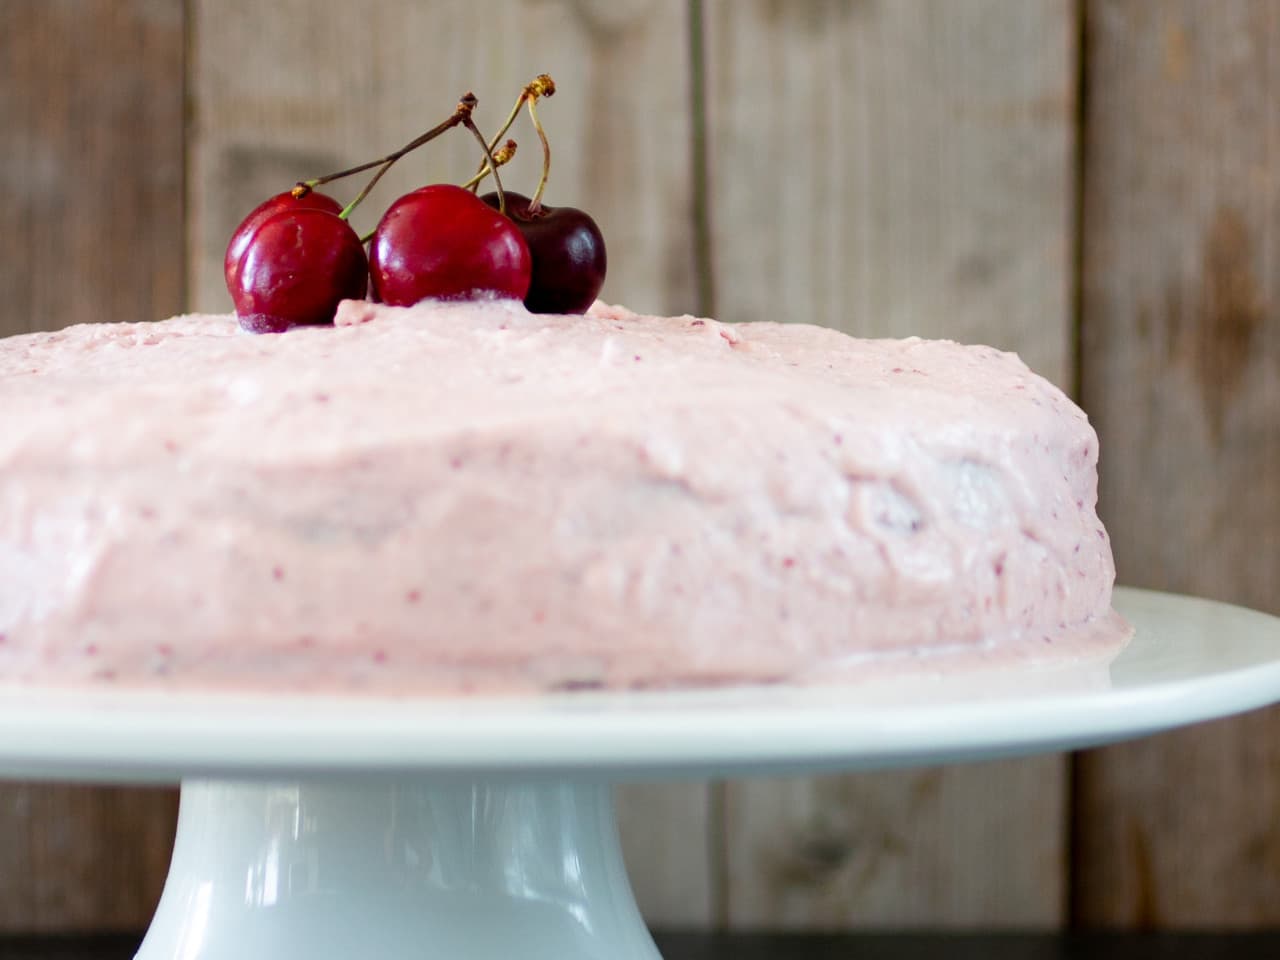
(568, 253)
(298, 265)
(239, 242)
(442, 241)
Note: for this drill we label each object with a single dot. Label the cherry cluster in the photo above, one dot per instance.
(295, 256)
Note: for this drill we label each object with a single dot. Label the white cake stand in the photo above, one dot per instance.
(484, 829)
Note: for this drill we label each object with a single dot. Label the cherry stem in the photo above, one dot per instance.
(540, 86)
(535, 204)
(364, 191)
(511, 118)
(503, 157)
(461, 115)
(488, 155)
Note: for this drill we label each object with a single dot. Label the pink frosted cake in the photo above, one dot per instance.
(470, 497)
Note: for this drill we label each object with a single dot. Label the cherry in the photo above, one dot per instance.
(442, 241)
(297, 266)
(568, 254)
(282, 201)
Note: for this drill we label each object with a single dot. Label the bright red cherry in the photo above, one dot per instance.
(281, 201)
(442, 241)
(298, 264)
(568, 254)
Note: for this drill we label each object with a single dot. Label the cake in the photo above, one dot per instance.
(471, 498)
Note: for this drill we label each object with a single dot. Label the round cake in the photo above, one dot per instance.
(468, 497)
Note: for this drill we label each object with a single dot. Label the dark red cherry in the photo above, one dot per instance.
(296, 268)
(442, 241)
(568, 255)
(280, 202)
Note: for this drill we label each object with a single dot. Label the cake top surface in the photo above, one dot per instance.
(199, 382)
(469, 496)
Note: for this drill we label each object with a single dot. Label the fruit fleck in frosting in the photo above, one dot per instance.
(460, 497)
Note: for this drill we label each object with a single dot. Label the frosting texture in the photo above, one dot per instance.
(468, 497)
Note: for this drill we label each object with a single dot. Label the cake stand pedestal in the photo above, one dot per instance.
(482, 829)
(413, 867)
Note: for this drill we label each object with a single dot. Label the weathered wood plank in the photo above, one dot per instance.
(91, 176)
(83, 858)
(896, 169)
(296, 88)
(91, 164)
(900, 849)
(1181, 296)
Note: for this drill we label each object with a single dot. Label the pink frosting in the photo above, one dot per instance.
(469, 497)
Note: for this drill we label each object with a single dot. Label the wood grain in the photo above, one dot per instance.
(91, 163)
(295, 89)
(1181, 296)
(893, 169)
(899, 849)
(91, 179)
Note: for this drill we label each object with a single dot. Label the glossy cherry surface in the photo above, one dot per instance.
(442, 241)
(568, 253)
(281, 202)
(296, 268)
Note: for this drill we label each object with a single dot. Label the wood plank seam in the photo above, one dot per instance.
(705, 305)
(1080, 185)
(703, 236)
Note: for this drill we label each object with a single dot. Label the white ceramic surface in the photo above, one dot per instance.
(1190, 660)
(387, 870)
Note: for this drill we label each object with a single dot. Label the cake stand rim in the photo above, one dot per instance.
(1190, 660)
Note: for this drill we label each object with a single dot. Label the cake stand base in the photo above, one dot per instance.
(459, 868)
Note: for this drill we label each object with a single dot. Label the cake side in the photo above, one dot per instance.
(471, 497)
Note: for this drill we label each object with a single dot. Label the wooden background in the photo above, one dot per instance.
(1095, 184)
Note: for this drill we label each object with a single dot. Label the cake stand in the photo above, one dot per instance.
(484, 830)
